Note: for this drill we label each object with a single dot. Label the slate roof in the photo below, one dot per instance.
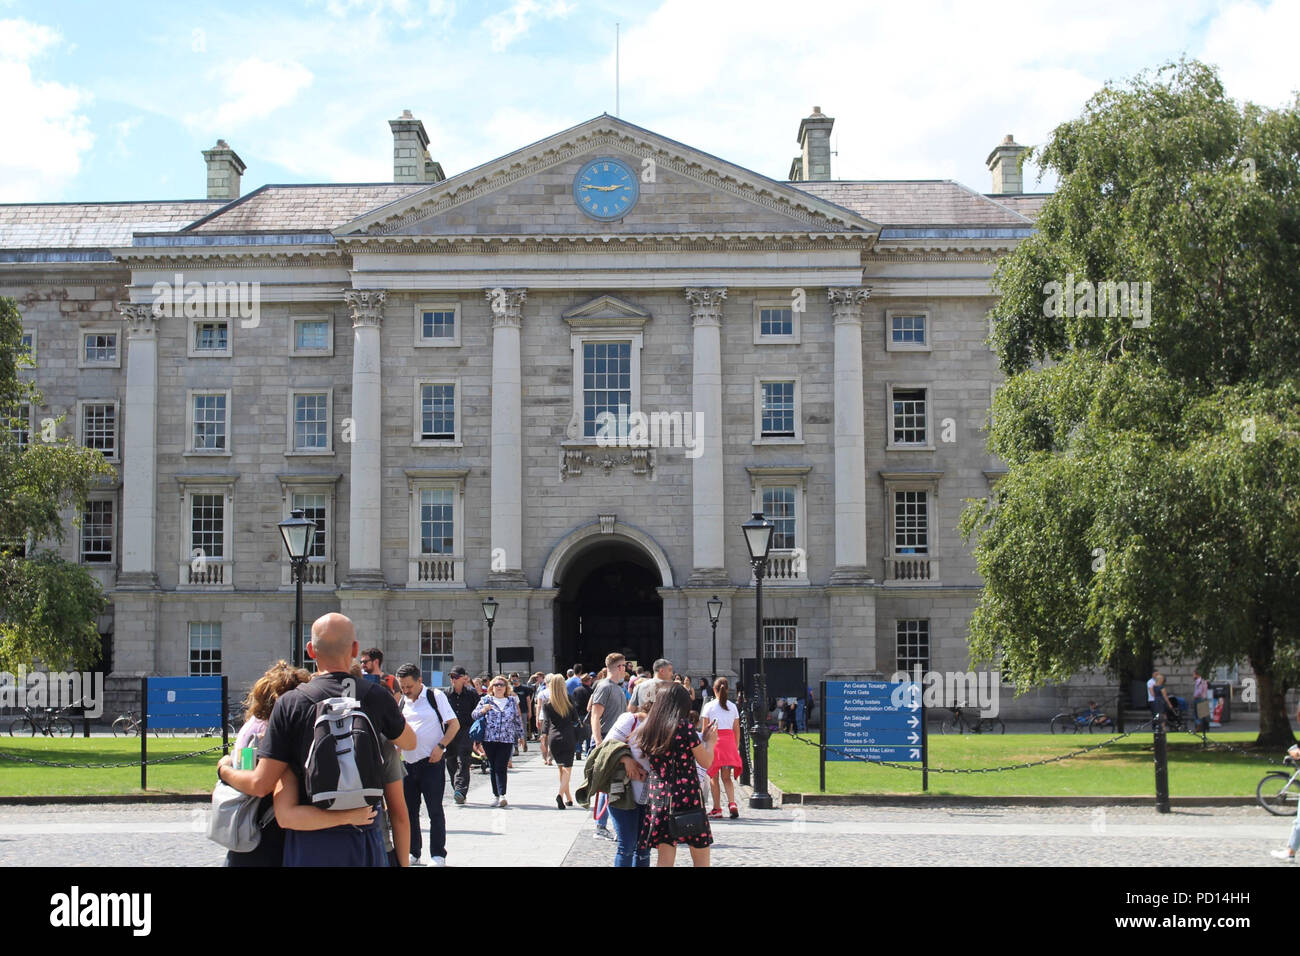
(302, 208)
(924, 202)
(1027, 204)
(93, 225)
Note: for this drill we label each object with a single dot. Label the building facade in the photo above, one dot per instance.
(562, 379)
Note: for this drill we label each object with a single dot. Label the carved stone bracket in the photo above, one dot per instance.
(507, 305)
(141, 319)
(846, 303)
(574, 460)
(366, 306)
(706, 305)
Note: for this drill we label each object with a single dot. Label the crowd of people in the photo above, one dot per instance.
(655, 747)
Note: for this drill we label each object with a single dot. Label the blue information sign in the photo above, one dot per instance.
(873, 720)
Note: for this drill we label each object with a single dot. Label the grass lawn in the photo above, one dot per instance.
(195, 775)
(1124, 768)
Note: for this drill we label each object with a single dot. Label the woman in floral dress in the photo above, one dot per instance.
(671, 744)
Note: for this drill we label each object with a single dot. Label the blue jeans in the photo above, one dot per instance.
(1294, 842)
(427, 780)
(799, 721)
(627, 828)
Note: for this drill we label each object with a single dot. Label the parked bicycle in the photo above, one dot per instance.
(50, 722)
(1080, 720)
(961, 723)
(128, 725)
(1279, 791)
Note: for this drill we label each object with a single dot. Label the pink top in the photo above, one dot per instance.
(248, 734)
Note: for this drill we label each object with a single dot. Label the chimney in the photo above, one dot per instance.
(1005, 162)
(224, 169)
(411, 162)
(815, 141)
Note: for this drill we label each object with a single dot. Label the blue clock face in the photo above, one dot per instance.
(606, 189)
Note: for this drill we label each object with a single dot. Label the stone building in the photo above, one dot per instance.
(422, 366)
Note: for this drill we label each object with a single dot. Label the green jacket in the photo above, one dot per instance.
(603, 772)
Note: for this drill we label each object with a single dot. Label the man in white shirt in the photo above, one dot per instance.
(429, 714)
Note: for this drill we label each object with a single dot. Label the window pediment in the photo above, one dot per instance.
(606, 313)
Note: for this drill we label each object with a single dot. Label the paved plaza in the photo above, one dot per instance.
(532, 832)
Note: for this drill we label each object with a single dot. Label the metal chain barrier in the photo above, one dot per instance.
(6, 755)
(919, 769)
(1207, 742)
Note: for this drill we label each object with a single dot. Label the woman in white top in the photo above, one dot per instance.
(627, 823)
(726, 755)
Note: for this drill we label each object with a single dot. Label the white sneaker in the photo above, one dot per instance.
(438, 861)
(602, 833)
(1282, 855)
(415, 861)
(502, 803)
(496, 802)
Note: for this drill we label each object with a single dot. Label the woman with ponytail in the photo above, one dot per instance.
(726, 755)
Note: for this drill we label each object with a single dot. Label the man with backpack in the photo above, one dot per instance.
(372, 662)
(463, 699)
(426, 710)
(334, 708)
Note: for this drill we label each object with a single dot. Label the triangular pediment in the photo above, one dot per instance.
(606, 311)
(528, 194)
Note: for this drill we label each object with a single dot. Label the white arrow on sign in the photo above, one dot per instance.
(913, 738)
(914, 754)
(913, 721)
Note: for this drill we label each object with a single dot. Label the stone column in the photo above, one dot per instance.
(709, 561)
(850, 439)
(507, 528)
(365, 563)
(140, 448)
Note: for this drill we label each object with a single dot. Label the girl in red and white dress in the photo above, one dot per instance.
(726, 755)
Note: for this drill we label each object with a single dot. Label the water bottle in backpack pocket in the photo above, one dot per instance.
(345, 767)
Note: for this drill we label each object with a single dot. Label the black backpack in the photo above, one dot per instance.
(345, 766)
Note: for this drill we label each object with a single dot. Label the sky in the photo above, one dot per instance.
(116, 101)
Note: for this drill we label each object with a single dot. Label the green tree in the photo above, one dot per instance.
(1152, 500)
(48, 606)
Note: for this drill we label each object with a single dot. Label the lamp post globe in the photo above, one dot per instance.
(297, 532)
(490, 607)
(758, 539)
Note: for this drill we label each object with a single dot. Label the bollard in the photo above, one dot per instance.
(1162, 766)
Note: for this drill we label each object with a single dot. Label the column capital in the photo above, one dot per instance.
(706, 305)
(366, 306)
(846, 302)
(141, 319)
(507, 306)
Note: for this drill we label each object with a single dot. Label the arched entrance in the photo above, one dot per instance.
(608, 599)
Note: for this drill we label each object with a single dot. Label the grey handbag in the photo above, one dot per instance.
(235, 822)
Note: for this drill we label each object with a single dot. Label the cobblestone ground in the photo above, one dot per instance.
(533, 832)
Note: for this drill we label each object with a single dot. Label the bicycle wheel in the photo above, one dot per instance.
(950, 726)
(61, 727)
(992, 725)
(22, 727)
(125, 727)
(1275, 796)
(1064, 724)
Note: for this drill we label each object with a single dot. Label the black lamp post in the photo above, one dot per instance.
(297, 532)
(715, 609)
(758, 538)
(490, 614)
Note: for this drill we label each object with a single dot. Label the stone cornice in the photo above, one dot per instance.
(601, 133)
(767, 241)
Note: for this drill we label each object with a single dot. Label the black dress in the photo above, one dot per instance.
(561, 737)
(673, 784)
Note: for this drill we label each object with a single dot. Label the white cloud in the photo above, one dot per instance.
(253, 89)
(508, 25)
(1255, 50)
(47, 131)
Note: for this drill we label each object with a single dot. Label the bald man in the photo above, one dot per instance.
(284, 747)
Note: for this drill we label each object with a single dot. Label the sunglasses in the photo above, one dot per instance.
(498, 685)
